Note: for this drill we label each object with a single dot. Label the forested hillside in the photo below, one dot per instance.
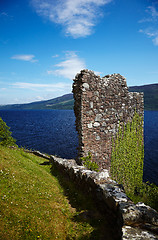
(150, 95)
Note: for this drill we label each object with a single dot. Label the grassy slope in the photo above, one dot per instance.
(33, 205)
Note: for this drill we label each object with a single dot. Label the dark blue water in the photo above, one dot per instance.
(49, 131)
(151, 146)
(53, 132)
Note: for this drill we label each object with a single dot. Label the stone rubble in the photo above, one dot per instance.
(132, 233)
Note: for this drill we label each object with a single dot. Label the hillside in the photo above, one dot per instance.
(63, 102)
(150, 95)
(66, 101)
(37, 203)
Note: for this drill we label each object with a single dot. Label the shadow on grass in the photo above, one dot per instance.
(86, 208)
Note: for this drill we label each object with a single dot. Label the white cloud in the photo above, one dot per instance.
(152, 15)
(78, 17)
(153, 34)
(4, 14)
(153, 12)
(151, 30)
(69, 67)
(97, 73)
(23, 57)
(155, 40)
(46, 87)
(55, 56)
(24, 92)
(39, 98)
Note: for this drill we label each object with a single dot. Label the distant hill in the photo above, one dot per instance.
(63, 102)
(150, 95)
(67, 101)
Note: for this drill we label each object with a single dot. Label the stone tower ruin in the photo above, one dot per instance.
(101, 104)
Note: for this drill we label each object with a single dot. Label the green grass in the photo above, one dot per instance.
(36, 202)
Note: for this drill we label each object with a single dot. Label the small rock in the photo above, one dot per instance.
(85, 86)
(96, 124)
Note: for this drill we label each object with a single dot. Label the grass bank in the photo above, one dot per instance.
(35, 205)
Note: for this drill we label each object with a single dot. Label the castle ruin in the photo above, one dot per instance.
(101, 104)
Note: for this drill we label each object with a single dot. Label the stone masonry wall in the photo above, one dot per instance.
(100, 105)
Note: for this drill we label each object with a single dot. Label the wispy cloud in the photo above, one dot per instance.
(69, 67)
(55, 56)
(153, 12)
(3, 89)
(25, 57)
(4, 14)
(151, 15)
(78, 17)
(151, 24)
(36, 86)
(5, 17)
(29, 92)
(151, 33)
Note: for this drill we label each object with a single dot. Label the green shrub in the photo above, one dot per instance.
(87, 162)
(127, 163)
(149, 194)
(5, 135)
(128, 154)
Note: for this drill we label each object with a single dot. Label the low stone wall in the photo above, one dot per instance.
(112, 202)
(136, 221)
(87, 181)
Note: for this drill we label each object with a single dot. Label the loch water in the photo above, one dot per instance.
(53, 132)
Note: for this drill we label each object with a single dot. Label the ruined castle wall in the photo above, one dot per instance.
(100, 105)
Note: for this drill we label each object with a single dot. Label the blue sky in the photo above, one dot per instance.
(44, 43)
